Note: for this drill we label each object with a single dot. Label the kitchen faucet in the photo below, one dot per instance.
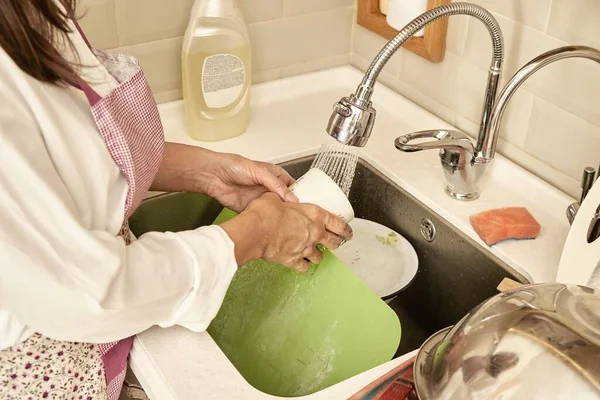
(353, 117)
(464, 170)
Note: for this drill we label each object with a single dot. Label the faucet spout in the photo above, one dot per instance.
(486, 143)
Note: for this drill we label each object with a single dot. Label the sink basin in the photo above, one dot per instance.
(455, 273)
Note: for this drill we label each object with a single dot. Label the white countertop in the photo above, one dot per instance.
(288, 121)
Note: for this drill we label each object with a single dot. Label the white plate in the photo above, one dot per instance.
(579, 258)
(382, 258)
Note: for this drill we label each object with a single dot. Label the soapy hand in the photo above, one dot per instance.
(286, 233)
(235, 181)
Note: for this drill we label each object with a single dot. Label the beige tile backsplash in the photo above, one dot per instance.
(261, 10)
(288, 36)
(575, 21)
(367, 44)
(297, 7)
(564, 140)
(289, 41)
(533, 13)
(99, 22)
(160, 59)
(552, 126)
(142, 21)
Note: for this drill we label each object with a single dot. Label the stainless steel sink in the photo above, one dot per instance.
(455, 273)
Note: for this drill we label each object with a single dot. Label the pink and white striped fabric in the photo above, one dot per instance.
(130, 125)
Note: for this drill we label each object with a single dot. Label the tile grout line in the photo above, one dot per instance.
(548, 16)
(353, 24)
(151, 42)
(463, 46)
(115, 9)
(284, 17)
(528, 122)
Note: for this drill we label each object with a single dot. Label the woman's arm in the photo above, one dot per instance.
(70, 282)
(231, 179)
(184, 169)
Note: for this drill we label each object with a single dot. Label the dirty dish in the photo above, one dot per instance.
(381, 257)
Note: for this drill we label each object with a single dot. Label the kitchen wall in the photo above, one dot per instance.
(552, 127)
(289, 37)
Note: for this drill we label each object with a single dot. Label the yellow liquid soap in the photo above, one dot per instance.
(216, 68)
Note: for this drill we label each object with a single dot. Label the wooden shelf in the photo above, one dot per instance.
(432, 46)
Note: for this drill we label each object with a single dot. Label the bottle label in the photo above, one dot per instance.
(223, 77)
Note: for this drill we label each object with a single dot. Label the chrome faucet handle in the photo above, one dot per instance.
(445, 139)
(456, 153)
(587, 181)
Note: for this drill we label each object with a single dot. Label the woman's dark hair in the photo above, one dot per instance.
(31, 31)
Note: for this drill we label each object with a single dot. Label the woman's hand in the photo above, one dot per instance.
(286, 233)
(232, 180)
(235, 181)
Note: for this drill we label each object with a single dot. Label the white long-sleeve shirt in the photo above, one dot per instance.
(63, 271)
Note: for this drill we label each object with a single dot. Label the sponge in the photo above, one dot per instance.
(501, 224)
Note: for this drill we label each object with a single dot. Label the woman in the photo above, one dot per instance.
(80, 145)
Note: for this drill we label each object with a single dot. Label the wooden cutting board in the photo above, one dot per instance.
(292, 334)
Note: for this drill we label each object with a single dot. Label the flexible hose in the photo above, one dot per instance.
(425, 19)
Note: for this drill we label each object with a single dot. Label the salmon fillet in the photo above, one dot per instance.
(494, 226)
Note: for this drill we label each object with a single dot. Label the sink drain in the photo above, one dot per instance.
(428, 230)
